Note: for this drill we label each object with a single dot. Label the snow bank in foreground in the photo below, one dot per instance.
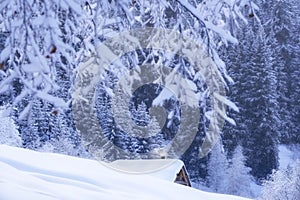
(30, 175)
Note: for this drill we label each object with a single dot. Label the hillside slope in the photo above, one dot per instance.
(31, 175)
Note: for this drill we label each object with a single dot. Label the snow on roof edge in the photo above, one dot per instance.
(166, 169)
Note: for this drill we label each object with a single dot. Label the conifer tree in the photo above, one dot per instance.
(283, 184)
(217, 168)
(239, 179)
(9, 133)
(255, 93)
(36, 131)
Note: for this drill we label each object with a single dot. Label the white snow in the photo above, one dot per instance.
(165, 94)
(30, 175)
(285, 157)
(165, 169)
(223, 99)
(29, 68)
(223, 33)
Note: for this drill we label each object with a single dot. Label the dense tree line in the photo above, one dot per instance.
(44, 46)
(264, 68)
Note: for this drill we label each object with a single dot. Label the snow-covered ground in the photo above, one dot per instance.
(30, 175)
(286, 156)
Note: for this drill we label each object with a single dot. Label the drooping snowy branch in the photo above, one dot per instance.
(40, 35)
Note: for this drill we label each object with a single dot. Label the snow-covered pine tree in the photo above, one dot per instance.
(61, 138)
(140, 115)
(121, 110)
(9, 133)
(37, 130)
(282, 28)
(280, 21)
(254, 92)
(156, 141)
(283, 184)
(291, 45)
(239, 179)
(261, 109)
(39, 56)
(147, 131)
(35, 44)
(217, 168)
(277, 188)
(43, 35)
(296, 180)
(208, 23)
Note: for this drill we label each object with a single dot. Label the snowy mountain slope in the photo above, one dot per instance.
(30, 175)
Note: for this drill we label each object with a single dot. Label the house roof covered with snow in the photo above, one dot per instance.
(166, 169)
(172, 170)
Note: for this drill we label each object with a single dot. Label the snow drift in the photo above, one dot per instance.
(26, 174)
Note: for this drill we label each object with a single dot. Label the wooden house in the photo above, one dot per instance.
(168, 169)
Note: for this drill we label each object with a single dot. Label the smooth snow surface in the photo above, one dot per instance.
(285, 157)
(30, 175)
(166, 169)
